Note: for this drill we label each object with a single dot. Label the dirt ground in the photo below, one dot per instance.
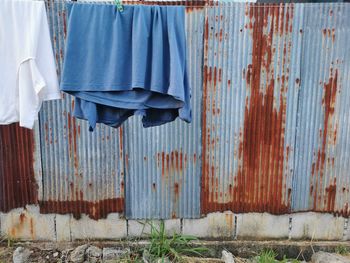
(243, 251)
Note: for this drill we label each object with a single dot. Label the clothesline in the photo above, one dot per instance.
(197, 4)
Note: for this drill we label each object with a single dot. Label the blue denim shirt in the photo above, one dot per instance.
(118, 64)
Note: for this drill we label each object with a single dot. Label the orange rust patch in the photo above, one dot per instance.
(72, 140)
(22, 218)
(258, 184)
(31, 227)
(176, 190)
(95, 210)
(17, 178)
(24, 226)
(190, 9)
(328, 101)
(331, 192)
(121, 143)
(171, 162)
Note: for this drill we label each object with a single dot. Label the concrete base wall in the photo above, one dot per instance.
(29, 224)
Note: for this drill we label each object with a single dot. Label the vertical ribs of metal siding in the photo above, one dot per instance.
(18, 168)
(236, 108)
(163, 171)
(321, 180)
(83, 172)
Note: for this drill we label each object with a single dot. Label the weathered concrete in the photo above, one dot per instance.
(346, 235)
(215, 225)
(317, 226)
(28, 224)
(21, 255)
(227, 257)
(78, 254)
(324, 257)
(260, 226)
(110, 228)
(112, 254)
(93, 254)
(63, 230)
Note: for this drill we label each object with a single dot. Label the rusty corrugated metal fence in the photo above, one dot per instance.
(270, 131)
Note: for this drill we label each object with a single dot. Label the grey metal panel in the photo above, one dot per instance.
(321, 181)
(83, 172)
(251, 63)
(163, 163)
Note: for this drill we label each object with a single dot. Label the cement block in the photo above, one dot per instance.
(137, 228)
(317, 226)
(214, 225)
(346, 235)
(262, 226)
(63, 231)
(113, 227)
(28, 224)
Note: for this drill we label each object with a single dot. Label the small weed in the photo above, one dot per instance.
(287, 260)
(269, 256)
(9, 240)
(342, 250)
(174, 247)
(266, 256)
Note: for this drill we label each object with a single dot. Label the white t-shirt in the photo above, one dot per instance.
(27, 65)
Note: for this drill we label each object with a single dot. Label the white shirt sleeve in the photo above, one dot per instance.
(37, 77)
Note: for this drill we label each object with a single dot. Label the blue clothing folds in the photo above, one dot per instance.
(118, 64)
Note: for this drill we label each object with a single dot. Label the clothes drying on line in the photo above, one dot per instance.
(27, 65)
(119, 64)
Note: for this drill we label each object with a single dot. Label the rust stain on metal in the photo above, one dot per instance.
(95, 210)
(17, 179)
(329, 32)
(205, 136)
(258, 184)
(215, 78)
(328, 101)
(121, 143)
(24, 223)
(64, 24)
(126, 161)
(73, 135)
(331, 192)
(171, 162)
(176, 190)
(190, 9)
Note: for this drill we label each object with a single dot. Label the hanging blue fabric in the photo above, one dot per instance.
(118, 64)
(119, 5)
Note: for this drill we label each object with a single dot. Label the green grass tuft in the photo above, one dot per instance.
(173, 247)
(269, 256)
(342, 250)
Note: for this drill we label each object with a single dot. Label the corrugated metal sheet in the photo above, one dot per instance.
(250, 88)
(163, 171)
(271, 99)
(83, 172)
(321, 181)
(18, 157)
